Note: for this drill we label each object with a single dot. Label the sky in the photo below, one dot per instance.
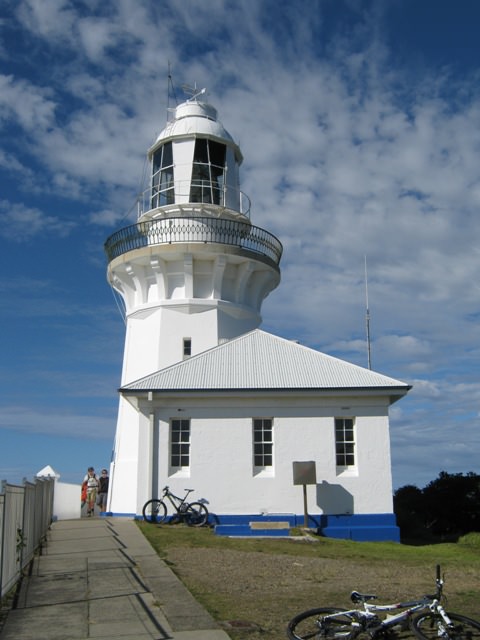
(359, 123)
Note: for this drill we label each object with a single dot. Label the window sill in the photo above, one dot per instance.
(347, 472)
(179, 473)
(263, 473)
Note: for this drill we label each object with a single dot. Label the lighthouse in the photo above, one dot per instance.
(208, 400)
(193, 270)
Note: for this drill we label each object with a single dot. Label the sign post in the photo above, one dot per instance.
(304, 473)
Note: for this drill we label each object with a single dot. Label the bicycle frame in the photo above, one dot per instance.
(370, 610)
(367, 618)
(176, 502)
(424, 617)
(194, 514)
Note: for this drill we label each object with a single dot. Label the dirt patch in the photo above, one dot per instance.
(265, 591)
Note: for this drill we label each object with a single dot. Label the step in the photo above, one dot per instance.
(274, 524)
(254, 529)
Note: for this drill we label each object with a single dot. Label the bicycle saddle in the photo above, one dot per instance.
(361, 597)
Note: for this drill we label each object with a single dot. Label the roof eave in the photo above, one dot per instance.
(394, 393)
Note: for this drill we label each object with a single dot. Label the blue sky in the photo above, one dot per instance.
(359, 122)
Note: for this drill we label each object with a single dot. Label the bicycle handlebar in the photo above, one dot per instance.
(357, 597)
(166, 490)
(439, 582)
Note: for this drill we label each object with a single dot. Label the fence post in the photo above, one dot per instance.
(2, 533)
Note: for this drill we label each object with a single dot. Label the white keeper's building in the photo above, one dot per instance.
(209, 401)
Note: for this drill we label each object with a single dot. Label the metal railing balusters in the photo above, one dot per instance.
(204, 229)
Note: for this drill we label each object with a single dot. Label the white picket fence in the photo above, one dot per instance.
(26, 513)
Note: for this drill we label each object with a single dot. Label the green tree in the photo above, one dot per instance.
(409, 507)
(452, 504)
(445, 508)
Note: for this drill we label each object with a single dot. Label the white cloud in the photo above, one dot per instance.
(9, 162)
(427, 389)
(96, 35)
(20, 223)
(50, 19)
(58, 423)
(22, 101)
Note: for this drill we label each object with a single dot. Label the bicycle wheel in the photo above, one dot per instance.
(196, 514)
(316, 623)
(154, 511)
(430, 626)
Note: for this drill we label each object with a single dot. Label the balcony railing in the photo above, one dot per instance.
(195, 230)
(184, 192)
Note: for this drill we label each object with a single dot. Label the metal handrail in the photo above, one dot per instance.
(195, 229)
(193, 192)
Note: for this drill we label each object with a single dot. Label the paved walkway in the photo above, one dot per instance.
(100, 578)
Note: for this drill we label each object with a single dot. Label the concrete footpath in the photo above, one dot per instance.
(100, 578)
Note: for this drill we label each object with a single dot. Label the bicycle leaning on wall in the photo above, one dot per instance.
(425, 617)
(194, 514)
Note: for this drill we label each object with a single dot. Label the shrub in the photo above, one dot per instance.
(470, 539)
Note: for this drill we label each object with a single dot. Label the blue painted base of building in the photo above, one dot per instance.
(376, 527)
(246, 531)
(380, 527)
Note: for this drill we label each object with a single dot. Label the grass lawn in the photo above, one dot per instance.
(267, 581)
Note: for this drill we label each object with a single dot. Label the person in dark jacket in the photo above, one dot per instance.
(103, 490)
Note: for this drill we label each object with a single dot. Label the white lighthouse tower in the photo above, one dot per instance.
(193, 271)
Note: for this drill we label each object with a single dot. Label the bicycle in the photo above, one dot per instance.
(425, 616)
(194, 514)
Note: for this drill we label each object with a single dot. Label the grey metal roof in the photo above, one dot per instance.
(259, 360)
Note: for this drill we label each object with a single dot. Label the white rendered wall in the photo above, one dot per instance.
(154, 338)
(66, 501)
(221, 467)
(125, 467)
(183, 157)
(207, 298)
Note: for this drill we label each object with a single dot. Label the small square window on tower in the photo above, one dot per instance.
(187, 347)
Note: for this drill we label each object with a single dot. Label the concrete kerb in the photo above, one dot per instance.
(100, 578)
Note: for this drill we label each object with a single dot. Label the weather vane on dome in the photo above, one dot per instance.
(193, 92)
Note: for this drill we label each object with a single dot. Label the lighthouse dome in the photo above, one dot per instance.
(192, 119)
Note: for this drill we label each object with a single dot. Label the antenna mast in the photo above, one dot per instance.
(170, 88)
(367, 318)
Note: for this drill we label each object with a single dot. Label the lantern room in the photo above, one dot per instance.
(194, 161)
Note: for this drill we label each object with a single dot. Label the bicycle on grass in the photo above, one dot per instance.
(194, 514)
(425, 617)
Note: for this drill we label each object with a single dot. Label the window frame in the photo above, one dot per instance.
(163, 192)
(262, 447)
(345, 446)
(208, 171)
(180, 446)
(187, 348)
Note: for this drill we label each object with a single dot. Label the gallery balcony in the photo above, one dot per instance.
(187, 230)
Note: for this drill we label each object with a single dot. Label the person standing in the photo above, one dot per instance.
(103, 491)
(92, 486)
